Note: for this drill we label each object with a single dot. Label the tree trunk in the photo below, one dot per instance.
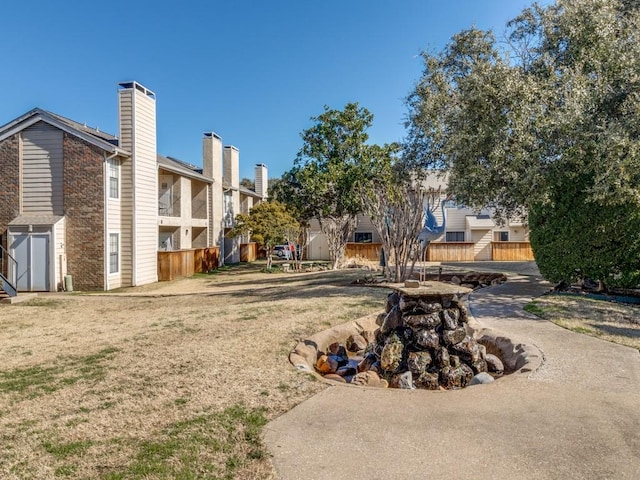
(338, 231)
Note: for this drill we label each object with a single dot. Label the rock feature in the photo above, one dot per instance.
(423, 341)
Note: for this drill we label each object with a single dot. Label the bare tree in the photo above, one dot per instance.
(394, 200)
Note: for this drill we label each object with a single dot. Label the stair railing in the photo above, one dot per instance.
(8, 269)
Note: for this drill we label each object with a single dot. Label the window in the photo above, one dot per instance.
(501, 236)
(114, 178)
(454, 237)
(363, 237)
(114, 252)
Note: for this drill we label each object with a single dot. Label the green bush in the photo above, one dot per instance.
(575, 237)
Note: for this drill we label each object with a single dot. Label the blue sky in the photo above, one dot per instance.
(252, 71)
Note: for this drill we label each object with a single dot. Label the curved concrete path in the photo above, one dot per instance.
(575, 417)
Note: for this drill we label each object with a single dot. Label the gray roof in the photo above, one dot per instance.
(112, 139)
(100, 139)
(36, 219)
(182, 168)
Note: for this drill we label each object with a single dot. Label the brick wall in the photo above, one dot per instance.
(9, 184)
(84, 211)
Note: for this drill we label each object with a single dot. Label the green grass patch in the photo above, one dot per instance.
(534, 309)
(207, 446)
(43, 302)
(64, 450)
(40, 380)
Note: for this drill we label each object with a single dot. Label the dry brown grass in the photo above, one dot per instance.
(614, 322)
(171, 380)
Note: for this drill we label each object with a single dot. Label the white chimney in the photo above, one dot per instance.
(137, 117)
(212, 168)
(231, 166)
(262, 181)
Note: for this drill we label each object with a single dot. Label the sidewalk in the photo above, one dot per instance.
(576, 417)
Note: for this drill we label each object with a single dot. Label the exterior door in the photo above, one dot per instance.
(31, 251)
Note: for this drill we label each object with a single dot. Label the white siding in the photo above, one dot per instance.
(482, 244)
(318, 248)
(42, 169)
(456, 220)
(60, 252)
(115, 224)
(212, 168)
(138, 134)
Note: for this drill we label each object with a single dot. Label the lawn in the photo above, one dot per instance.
(614, 322)
(170, 380)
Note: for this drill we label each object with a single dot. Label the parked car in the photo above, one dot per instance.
(283, 252)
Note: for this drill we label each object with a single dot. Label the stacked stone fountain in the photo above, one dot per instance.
(423, 341)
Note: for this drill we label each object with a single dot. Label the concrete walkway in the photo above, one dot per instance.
(575, 417)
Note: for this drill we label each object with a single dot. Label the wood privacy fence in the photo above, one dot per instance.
(184, 263)
(370, 251)
(511, 251)
(248, 252)
(451, 251)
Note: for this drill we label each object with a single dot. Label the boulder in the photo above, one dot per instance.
(326, 364)
(428, 320)
(442, 358)
(429, 307)
(428, 381)
(347, 371)
(426, 339)
(468, 349)
(392, 321)
(418, 362)
(335, 378)
(356, 343)
(481, 378)
(452, 337)
(367, 362)
(450, 317)
(392, 352)
(402, 380)
(452, 378)
(369, 379)
(494, 365)
(392, 300)
(407, 303)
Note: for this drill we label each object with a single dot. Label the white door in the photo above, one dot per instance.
(31, 251)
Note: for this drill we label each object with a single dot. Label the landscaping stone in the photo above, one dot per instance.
(481, 378)
(356, 343)
(494, 365)
(422, 341)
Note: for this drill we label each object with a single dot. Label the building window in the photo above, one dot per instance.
(454, 237)
(363, 237)
(114, 252)
(501, 236)
(114, 178)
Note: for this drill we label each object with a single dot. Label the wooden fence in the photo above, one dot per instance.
(511, 251)
(370, 251)
(184, 263)
(248, 252)
(451, 251)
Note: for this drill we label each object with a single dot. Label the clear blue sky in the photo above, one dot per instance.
(252, 71)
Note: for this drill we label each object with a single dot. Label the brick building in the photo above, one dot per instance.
(97, 207)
